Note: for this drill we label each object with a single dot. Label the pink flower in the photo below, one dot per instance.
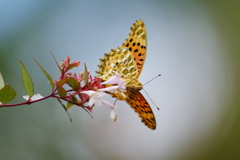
(119, 88)
(96, 99)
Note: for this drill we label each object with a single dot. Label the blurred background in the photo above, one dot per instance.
(193, 44)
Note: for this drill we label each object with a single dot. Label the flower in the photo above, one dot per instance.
(96, 99)
(33, 98)
(113, 115)
(65, 64)
(115, 80)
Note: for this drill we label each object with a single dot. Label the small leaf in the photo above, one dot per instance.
(69, 105)
(74, 99)
(7, 93)
(27, 81)
(46, 75)
(62, 81)
(85, 74)
(56, 63)
(1, 81)
(62, 92)
(70, 66)
(64, 107)
(73, 83)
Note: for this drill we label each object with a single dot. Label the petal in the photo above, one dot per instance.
(121, 85)
(36, 97)
(95, 97)
(113, 80)
(113, 115)
(100, 94)
(108, 104)
(98, 103)
(91, 102)
(26, 97)
(113, 89)
(88, 92)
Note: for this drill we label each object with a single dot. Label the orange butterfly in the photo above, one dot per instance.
(128, 61)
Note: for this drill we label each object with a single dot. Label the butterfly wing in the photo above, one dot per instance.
(119, 61)
(137, 43)
(140, 105)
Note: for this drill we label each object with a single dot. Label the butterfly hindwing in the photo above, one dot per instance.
(139, 104)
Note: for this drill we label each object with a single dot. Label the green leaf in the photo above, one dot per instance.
(69, 105)
(73, 83)
(62, 81)
(70, 66)
(1, 81)
(46, 75)
(64, 107)
(62, 92)
(27, 81)
(7, 93)
(74, 99)
(85, 74)
(56, 63)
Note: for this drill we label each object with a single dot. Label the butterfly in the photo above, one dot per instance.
(128, 61)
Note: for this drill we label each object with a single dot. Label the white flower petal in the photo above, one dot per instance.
(98, 103)
(121, 85)
(95, 97)
(100, 94)
(26, 97)
(91, 102)
(113, 80)
(34, 97)
(113, 115)
(88, 92)
(113, 89)
(108, 104)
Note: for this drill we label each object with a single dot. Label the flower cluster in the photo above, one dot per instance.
(82, 89)
(96, 96)
(75, 89)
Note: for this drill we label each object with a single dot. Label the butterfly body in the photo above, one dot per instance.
(128, 61)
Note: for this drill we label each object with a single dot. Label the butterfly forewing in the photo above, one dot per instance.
(119, 61)
(137, 43)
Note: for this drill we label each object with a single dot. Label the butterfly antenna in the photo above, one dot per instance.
(152, 79)
(150, 98)
(147, 93)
